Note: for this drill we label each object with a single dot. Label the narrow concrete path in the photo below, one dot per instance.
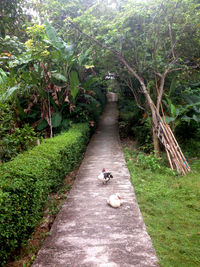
(89, 233)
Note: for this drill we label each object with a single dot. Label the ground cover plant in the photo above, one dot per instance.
(170, 207)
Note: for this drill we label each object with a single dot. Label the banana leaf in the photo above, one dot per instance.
(56, 119)
(74, 84)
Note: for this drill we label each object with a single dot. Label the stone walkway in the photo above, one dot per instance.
(89, 233)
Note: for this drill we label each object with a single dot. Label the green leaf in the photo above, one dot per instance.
(194, 117)
(172, 86)
(3, 77)
(180, 110)
(74, 83)
(169, 119)
(59, 77)
(12, 90)
(173, 110)
(65, 124)
(20, 109)
(56, 119)
(2, 31)
(83, 57)
(26, 76)
(65, 49)
(42, 125)
(87, 85)
(186, 118)
(51, 32)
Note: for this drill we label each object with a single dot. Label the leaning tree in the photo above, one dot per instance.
(151, 39)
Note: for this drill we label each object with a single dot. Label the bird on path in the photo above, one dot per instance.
(105, 176)
(115, 200)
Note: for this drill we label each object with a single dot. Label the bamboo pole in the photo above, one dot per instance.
(170, 162)
(177, 151)
(177, 156)
(184, 159)
(172, 149)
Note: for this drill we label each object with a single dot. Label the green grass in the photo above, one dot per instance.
(170, 205)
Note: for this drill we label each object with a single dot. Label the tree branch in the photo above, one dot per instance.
(121, 58)
(135, 55)
(171, 41)
(175, 69)
(93, 39)
(129, 84)
(161, 88)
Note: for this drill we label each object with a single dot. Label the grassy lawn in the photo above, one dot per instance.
(170, 205)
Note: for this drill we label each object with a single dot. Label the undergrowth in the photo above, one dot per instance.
(170, 205)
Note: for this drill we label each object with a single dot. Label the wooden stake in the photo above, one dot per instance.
(174, 149)
(170, 162)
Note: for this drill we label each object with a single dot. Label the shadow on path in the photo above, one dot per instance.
(87, 232)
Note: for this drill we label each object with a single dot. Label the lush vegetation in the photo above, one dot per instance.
(149, 39)
(135, 123)
(27, 180)
(45, 86)
(54, 68)
(170, 207)
(57, 60)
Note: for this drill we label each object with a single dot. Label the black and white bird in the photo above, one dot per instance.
(105, 176)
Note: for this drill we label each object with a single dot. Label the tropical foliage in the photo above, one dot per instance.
(48, 85)
(59, 57)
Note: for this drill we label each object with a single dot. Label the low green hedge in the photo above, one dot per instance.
(26, 182)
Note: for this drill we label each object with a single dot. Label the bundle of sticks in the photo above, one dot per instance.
(175, 156)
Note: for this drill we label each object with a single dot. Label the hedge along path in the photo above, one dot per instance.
(26, 181)
(88, 232)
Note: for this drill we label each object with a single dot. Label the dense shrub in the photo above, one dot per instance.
(191, 148)
(26, 181)
(143, 135)
(129, 116)
(89, 107)
(20, 140)
(13, 139)
(6, 118)
(135, 123)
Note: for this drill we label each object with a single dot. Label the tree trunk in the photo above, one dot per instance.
(156, 143)
(132, 71)
(155, 124)
(149, 101)
(161, 89)
(50, 121)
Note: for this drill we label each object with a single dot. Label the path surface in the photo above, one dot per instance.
(89, 233)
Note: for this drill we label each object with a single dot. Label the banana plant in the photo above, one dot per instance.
(74, 85)
(180, 113)
(184, 112)
(66, 55)
(3, 81)
(8, 85)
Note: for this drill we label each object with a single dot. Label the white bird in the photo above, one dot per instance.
(105, 176)
(115, 200)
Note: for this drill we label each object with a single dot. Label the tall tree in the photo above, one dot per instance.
(149, 38)
(11, 16)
